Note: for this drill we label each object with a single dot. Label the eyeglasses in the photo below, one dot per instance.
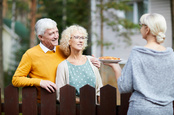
(140, 24)
(79, 37)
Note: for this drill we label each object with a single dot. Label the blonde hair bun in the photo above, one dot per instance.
(160, 37)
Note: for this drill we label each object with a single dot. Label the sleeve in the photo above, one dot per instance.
(125, 81)
(99, 83)
(20, 78)
(61, 77)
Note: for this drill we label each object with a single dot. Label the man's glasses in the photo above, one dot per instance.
(79, 37)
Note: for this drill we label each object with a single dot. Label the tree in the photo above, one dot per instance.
(1, 48)
(75, 11)
(32, 23)
(109, 18)
(172, 10)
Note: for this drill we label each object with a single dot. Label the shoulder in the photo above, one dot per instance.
(60, 52)
(34, 49)
(63, 64)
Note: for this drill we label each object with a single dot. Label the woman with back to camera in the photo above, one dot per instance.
(77, 70)
(148, 73)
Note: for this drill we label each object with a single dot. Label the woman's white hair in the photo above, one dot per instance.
(44, 24)
(157, 25)
(66, 35)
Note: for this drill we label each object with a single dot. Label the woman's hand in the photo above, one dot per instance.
(95, 62)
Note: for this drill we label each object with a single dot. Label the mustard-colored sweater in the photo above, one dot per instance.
(38, 65)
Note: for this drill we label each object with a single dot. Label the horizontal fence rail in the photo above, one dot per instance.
(67, 106)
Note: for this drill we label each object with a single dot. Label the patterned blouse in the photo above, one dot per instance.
(80, 75)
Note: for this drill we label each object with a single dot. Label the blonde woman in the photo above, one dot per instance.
(148, 73)
(77, 70)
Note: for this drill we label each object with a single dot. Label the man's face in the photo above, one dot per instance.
(50, 38)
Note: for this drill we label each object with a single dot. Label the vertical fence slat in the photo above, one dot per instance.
(108, 100)
(11, 100)
(48, 102)
(87, 100)
(122, 110)
(29, 101)
(0, 101)
(67, 100)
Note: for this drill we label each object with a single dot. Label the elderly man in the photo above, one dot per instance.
(40, 62)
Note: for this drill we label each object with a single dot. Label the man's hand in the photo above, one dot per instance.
(95, 62)
(48, 85)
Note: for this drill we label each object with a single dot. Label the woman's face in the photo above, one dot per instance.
(77, 41)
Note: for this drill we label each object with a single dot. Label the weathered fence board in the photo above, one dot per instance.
(11, 100)
(87, 100)
(122, 110)
(108, 100)
(67, 106)
(29, 101)
(48, 103)
(67, 100)
(0, 102)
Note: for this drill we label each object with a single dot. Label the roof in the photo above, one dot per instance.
(20, 28)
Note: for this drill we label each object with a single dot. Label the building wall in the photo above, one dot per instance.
(122, 50)
(6, 49)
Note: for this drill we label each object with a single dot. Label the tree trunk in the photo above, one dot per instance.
(32, 23)
(101, 25)
(172, 15)
(1, 48)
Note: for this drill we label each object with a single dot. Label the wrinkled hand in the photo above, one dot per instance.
(48, 85)
(95, 62)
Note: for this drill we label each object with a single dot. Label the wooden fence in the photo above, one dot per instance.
(67, 106)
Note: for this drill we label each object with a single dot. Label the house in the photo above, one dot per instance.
(122, 50)
(11, 42)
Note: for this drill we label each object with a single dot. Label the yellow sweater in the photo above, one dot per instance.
(38, 65)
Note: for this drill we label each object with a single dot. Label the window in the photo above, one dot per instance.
(138, 9)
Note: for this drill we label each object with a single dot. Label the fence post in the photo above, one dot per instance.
(48, 102)
(87, 100)
(29, 101)
(107, 100)
(0, 101)
(67, 100)
(122, 110)
(11, 100)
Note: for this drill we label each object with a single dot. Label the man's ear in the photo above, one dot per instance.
(40, 37)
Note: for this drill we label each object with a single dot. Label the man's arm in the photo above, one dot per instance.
(20, 78)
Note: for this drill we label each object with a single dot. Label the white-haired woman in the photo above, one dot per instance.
(148, 73)
(77, 70)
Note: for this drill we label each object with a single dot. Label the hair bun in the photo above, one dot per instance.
(160, 37)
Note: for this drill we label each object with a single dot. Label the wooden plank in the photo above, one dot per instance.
(122, 110)
(67, 100)
(29, 101)
(87, 100)
(11, 100)
(108, 100)
(48, 102)
(0, 102)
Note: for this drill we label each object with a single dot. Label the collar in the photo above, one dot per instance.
(45, 49)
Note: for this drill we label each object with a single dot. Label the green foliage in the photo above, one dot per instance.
(77, 12)
(121, 26)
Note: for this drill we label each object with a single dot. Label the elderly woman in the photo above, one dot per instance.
(77, 70)
(148, 73)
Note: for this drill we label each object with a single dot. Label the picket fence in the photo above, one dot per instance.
(67, 106)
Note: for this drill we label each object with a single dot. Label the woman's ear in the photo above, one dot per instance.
(147, 30)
